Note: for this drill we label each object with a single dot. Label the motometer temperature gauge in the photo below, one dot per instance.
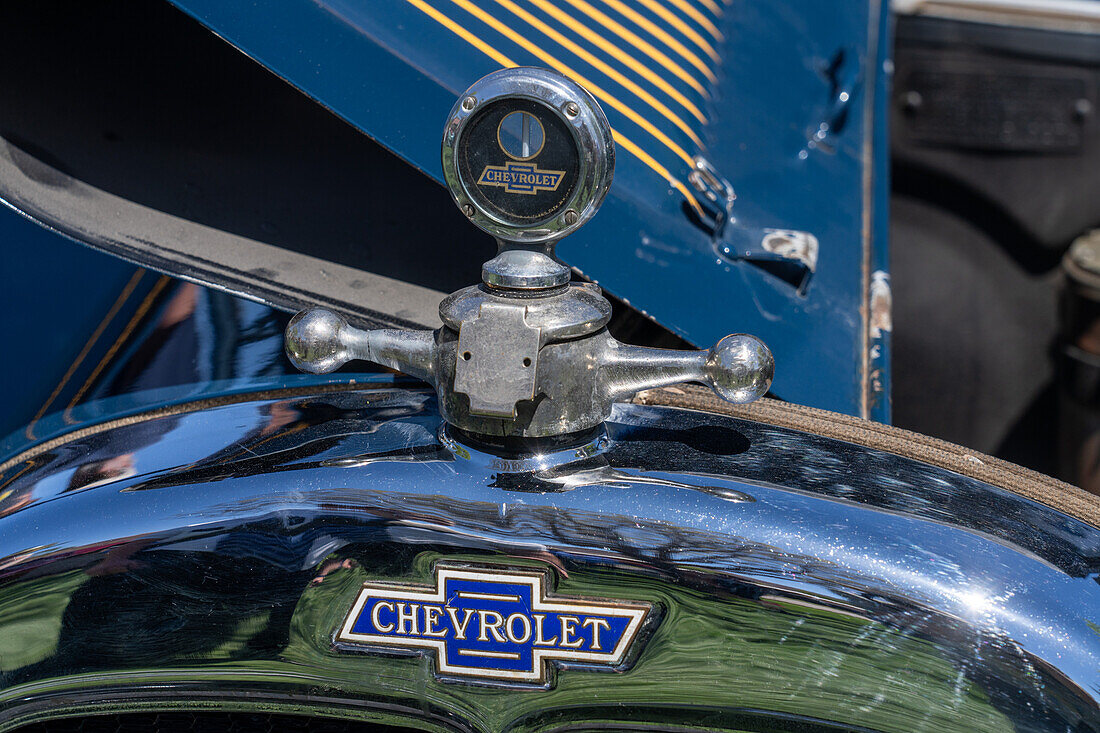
(528, 156)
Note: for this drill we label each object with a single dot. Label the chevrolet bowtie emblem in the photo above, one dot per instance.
(493, 625)
(520, 177)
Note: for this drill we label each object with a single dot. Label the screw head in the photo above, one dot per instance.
(570, 218)
(572, 109)
(468, 210)
(469, 103)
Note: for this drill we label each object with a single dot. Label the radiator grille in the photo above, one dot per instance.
(204, 723)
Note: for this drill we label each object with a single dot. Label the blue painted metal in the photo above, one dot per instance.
(787, 72)
(109, 340)
(880, 326)
(793, 588)
(56, 296)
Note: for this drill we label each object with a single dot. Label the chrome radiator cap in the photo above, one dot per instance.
(529, 157)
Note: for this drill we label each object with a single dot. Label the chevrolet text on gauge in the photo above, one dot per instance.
(528, 155)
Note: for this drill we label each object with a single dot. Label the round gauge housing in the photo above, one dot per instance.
(528, 155)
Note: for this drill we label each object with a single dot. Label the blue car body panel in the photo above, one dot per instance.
(394, 69)
(58, 296)
(110, 340)
(779, 97)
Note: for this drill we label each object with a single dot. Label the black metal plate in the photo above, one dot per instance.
(990, 110)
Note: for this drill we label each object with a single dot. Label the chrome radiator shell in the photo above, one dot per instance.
(799, 579)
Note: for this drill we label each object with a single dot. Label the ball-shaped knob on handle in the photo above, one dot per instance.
(314, 341)
(739, 368)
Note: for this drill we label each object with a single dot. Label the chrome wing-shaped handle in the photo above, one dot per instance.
(739, 368)
(559, 387)
(319, 341)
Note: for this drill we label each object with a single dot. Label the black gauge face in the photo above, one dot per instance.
(519, 160)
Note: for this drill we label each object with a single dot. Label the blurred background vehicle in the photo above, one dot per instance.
(995, 164)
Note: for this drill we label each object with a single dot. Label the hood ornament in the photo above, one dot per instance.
(528, 156)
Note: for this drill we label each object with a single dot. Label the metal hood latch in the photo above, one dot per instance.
(787, 254)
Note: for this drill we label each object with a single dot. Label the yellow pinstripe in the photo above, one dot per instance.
(150, 297)
(503, 60)
(693, 13)
(111, 313)
(642, 45)
(462, 33)
(615, 52)
(672, 180)
(686, 30)
(502, 28)
(662, 35)
(713, 7)
(599, 64)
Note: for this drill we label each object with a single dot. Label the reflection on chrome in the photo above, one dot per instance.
(855, 589)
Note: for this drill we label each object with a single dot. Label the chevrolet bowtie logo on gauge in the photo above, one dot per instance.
(528, 155)
(519, 178)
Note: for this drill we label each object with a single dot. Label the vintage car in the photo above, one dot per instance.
(297, 443)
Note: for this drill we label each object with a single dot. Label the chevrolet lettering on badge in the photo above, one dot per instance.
(520, 177)
(493, 625)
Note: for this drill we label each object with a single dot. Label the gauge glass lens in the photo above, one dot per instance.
(519, 161)
(520, 135)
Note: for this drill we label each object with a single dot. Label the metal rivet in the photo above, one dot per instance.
(572, 109)
(570, 218)
(469, 103)
(468, 210)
